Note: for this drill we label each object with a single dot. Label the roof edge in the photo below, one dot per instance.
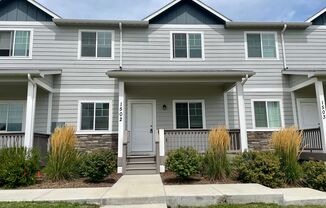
(313, 17)
(198, 2)
(261, 25)
(44, 9)
(94, 22)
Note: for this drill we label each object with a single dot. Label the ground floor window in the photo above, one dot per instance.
(95, 116)
(11, 116)
(189, 114)
(267, 114)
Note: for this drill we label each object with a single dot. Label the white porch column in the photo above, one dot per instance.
(30, 114)
(321, 110)
(50, 98)
(121, 124)
(242, 117)
(294, 110)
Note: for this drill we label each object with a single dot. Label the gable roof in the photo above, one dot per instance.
(39, 6)
(315, 16)
(198, 2)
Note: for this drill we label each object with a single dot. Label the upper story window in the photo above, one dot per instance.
(11, 116)
(187, 45)
(267, 114)
(96, 44)
(261, 45)
(15, 43)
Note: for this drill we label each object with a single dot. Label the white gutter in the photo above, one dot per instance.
(120, 27)
(283, 47)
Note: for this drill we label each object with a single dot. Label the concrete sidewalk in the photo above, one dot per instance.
(148, 191)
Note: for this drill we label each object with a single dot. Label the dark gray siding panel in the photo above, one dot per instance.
(21, 10)
(186, 12)
(321, 20)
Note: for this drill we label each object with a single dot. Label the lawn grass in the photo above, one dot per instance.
(44, 205)
(258, 206)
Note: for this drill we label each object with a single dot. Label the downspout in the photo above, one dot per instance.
(120, 27)
(283, 47)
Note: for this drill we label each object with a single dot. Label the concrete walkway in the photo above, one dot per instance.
(148, 191)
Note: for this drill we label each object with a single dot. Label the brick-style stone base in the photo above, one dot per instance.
(259, 140)
(92, 142)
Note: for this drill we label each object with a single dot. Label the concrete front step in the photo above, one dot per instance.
(141, 171)
(141, 158)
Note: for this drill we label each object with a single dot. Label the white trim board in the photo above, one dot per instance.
(202, 101)
(84, 90)
(312, 18)
(280, 100)
(261, 42)
(188, 58)
(201, 4)
(142, 101)
(44, 9)
(109, 131)
(96, 45)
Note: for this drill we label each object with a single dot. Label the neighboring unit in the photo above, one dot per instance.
(146, 87)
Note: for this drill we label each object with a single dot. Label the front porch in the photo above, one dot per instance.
(26, 108)
(162, 111)
(308, 103)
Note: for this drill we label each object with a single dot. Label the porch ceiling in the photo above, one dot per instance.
(214, 76)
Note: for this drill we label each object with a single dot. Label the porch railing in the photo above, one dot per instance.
(11, 139)
(312, 139)
(198, 139)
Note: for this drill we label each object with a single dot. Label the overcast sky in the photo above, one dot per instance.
(241, 10)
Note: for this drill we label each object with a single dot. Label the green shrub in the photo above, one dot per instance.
(18, 166)
(314, 175)
(216, 162)
(98, 165)
(184, 162)
(63, 159)
(259, 167)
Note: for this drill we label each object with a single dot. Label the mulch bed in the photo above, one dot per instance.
(169, 178)
(42, 183)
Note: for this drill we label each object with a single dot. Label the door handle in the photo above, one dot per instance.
(151, 131)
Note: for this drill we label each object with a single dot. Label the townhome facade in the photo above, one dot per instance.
(148, 86)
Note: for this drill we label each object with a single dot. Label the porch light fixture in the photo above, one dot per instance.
(164, 107)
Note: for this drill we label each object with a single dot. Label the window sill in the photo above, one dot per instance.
(14, 58)
(262, 59)
(12, 132)
(95, 59)
(187, 59)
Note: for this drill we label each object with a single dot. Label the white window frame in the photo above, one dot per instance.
(23, 102)
(187, 37)
(95, 58)
(254, 119)
(31, 37)
(261, 45)
(174, 102)
(80, 131)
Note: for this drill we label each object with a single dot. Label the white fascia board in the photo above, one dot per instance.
(44, 9)
(316, 15)
(201, 4)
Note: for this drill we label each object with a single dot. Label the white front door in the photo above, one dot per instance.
(308, 113)
(141, 127)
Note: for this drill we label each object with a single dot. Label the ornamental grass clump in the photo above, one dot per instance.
(216, 162)
(287, 144)
(63, 157)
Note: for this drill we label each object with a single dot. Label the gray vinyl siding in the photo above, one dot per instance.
(41, 111)
(149, 49)
(305, 49)
(164, 94)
